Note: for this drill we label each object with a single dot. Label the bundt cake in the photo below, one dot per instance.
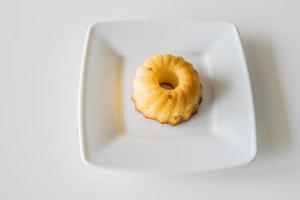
(167, 88)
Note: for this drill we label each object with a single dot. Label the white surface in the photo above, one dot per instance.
(114, 135)
(41, 48)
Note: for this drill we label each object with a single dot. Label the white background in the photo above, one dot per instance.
(40, 49)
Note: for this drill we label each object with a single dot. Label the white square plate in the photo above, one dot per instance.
(114, 135)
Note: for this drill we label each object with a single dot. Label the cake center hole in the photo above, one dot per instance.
(168, 80)
(167, 86)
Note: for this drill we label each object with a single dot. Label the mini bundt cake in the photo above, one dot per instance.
(167, 88)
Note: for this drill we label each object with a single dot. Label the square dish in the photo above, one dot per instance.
(114, 135)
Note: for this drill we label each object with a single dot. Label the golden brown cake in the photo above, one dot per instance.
(167, 88)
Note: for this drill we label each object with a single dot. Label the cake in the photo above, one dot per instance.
(167, 88)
